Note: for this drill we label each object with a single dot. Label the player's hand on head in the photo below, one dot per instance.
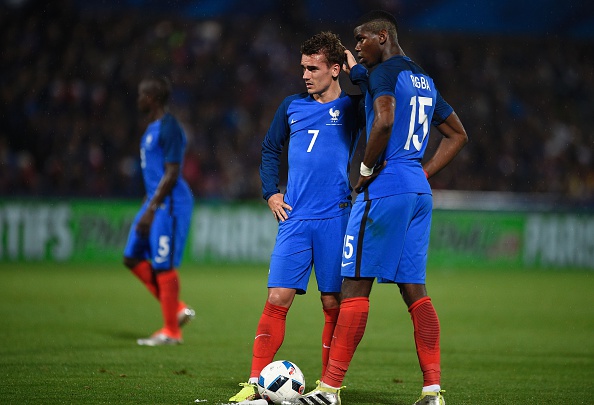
(277, 205)
(349, 61)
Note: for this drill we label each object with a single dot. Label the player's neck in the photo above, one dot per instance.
(394, 51)
(331, 94)
(156, 114)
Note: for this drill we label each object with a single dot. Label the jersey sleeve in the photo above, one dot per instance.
(382, 83)
(172, 140)
(272, 147)
(360, 77)
(442, 111)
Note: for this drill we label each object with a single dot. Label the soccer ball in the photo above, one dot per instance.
(281, 380)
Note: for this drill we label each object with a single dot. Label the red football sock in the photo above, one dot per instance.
(426, 331)
(350, 327)
(144, 272)
(269, 336)
(168, 283)
(330, 316)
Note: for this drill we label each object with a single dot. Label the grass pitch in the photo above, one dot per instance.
(68, 336)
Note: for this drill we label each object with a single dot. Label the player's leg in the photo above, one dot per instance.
(270, 332)
(290, 268)
(349, 329)
(327, 237)
(175, 312)
(354, 306)
(143, 271)
(411, 280)
(183, 216)
(371, 250)
(331, 308)
(165, 256)
(136, 255)
(426, 334)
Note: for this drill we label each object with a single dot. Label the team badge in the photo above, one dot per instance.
(334, 114)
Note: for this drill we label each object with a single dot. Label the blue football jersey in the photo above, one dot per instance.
(163, 142)
(418, 104)
(321, 141)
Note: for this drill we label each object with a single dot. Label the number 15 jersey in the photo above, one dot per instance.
(321, 141)
(418, 104)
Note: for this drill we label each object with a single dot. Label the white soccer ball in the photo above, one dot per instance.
(281, 380)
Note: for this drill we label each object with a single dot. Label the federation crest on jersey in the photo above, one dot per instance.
(334, 114)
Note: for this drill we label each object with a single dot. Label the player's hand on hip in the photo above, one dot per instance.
(278, 206)
(362, 184)
(365, 181)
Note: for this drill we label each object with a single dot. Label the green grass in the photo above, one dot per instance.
(68, 336)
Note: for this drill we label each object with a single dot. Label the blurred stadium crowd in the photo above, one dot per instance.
(69, 125)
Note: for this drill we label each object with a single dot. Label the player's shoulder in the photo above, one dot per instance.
(295, 97)
(287, 101)
(169, 119)
(398, 63)
(170, 124)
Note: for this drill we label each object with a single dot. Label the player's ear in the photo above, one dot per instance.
(335, 69)
(382, 36)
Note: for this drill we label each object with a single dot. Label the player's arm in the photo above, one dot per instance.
(164, 188)
(358, 74)
(454, 139)
(172, 141)
(272, 147)
(166, 184)
(381, 130)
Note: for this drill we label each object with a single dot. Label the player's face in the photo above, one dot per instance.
(367, 47)
(144, 98)
(318, 76)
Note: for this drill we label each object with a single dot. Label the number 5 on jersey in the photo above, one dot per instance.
(348, 250)
(348, 246)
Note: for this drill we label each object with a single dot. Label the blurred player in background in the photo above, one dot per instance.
(388, 231)
(158, 234)
(321, 128)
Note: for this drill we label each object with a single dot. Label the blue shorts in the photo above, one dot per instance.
(387, 238)
(166, 241)
(303, 243)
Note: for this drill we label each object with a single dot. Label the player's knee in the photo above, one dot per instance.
(356, 287)
(163, 270)
(411, 293)
(130, 262)
(282, 297)
(330, 300)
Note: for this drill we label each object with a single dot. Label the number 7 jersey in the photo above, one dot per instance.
(418, 104)
(321, 142)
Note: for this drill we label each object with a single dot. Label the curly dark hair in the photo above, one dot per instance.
(378, 20)
(326, 43)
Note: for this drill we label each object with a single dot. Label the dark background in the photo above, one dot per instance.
(518, 73)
